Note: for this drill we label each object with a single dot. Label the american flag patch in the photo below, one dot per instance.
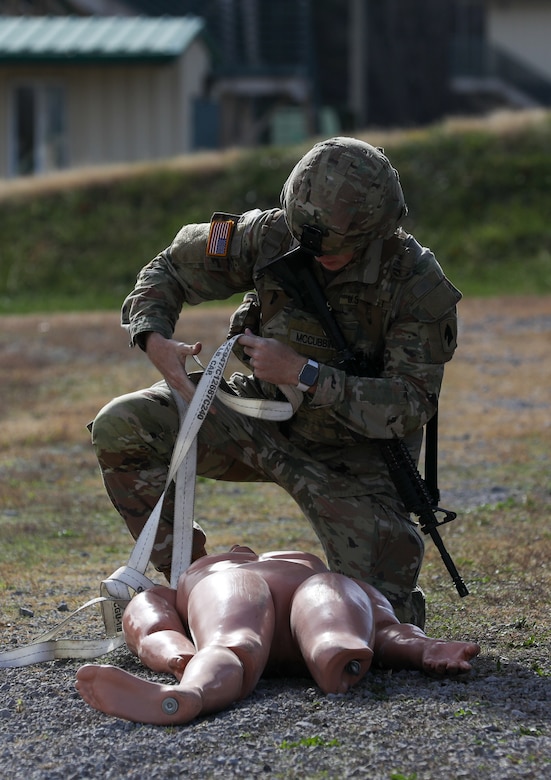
(218, 244)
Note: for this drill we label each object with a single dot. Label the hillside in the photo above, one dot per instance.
(479, 195)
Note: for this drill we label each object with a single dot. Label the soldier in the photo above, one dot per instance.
(281, 612)
(397, 311)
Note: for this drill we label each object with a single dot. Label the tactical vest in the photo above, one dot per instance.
(362, 310)
(365, 297)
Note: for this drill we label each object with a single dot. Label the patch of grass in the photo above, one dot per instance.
(402, 776)
(309, 742)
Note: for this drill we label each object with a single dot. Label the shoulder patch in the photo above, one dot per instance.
(220, 234)
(434, 304)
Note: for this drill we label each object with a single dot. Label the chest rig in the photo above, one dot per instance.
(362, 298)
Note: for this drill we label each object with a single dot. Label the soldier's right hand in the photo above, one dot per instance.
(169, 357)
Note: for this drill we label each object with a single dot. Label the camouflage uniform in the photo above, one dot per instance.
(396, 309)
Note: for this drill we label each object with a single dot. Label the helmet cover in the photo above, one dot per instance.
(348, 189)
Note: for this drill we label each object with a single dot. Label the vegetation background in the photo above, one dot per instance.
(480, 196)
(478, 193)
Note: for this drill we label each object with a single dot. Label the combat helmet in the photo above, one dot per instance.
(348, 189)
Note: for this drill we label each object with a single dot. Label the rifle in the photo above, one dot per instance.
(294, 272)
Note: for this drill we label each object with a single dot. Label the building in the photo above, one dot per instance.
(501, 52)
(252, 72)
(82, 91)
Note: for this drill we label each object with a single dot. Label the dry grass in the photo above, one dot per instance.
(74, 178)
(59, 536)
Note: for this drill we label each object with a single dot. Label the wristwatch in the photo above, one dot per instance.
(308, 375)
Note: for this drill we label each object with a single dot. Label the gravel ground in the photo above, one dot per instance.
(493, 723)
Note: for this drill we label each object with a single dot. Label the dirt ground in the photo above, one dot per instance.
(59, 537)
(57, 370)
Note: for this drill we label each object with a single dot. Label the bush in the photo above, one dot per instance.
(480, 198)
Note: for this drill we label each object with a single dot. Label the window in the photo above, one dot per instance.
(470, 18)
(469, 44)
(39, 140)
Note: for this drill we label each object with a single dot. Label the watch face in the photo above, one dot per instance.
(309, 374)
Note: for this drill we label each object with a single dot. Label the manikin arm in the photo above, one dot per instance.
(153, 630)
(405, 646)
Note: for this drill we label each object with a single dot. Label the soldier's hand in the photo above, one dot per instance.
(271, 360)
(169, 357)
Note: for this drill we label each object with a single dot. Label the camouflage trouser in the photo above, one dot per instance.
(361, 524)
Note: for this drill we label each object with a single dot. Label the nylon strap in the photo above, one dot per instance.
(118, 589)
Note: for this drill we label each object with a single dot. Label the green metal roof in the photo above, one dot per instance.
(24, 38)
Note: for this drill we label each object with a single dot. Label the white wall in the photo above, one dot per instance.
(523, 29)
(117, 113)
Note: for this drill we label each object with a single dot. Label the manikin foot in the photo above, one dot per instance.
(119, 693)
(441, 657)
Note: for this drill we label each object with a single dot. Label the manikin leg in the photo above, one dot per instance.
(231, 619)
(234, 609)
(332, 621)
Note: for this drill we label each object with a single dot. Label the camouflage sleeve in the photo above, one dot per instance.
(186, 274)
(420, 340)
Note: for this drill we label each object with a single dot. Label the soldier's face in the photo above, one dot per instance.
(335, 262)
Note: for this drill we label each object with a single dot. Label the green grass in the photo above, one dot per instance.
(480, 198)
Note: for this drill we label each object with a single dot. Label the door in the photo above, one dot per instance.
(39, 129)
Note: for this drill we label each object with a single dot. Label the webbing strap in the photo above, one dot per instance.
(47, 648)
(118, 589)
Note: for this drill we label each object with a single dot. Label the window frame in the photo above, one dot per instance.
(50, 136)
